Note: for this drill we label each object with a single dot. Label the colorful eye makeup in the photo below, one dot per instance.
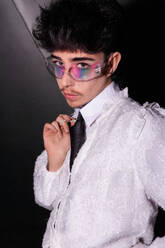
(59, 71)
(77, 72)
(80, 71)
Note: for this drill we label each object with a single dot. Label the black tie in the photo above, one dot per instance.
(77, 135)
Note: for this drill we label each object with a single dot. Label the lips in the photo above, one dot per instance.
(70, 96)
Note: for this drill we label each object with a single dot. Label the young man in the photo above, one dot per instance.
(110, 196)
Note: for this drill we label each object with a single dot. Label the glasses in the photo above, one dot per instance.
(79, 72)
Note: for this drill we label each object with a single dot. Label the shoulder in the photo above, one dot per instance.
(148, 119)
(136, 119)
(146, 127)
(154, 126)
(143, 122)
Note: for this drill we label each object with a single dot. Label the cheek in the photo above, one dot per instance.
(96, 86)
(91, 88)
(87, 90)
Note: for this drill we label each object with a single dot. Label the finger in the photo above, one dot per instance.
(72, 121)
(49, 128)
(57, 127)
(63, 122)
(66, 117)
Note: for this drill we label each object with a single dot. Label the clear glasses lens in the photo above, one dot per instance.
(76, 72)
(80, 73)
(59, 71)
(86, 74)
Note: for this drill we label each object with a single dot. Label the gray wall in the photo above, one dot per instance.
(29, 98)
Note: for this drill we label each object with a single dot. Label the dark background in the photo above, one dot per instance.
(30, 97)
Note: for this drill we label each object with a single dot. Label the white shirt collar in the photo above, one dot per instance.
(92, 110)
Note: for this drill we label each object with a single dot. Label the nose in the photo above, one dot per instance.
(66, 80)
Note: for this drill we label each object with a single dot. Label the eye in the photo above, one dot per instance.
(57, 63)
(83, 66)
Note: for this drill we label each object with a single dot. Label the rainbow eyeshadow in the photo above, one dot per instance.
(84, 72)
(59, 71)
(79, 73)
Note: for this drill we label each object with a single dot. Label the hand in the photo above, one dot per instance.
(57, 140)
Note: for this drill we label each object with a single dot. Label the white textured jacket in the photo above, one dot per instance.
(117, 181)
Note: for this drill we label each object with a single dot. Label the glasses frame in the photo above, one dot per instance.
(50, 67)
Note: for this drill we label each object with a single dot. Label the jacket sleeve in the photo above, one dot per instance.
(150, 158)
(151, 152)
(48, 186)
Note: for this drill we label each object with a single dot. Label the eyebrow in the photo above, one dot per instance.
(74, 59)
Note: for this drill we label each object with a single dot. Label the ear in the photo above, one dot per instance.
(113, 62)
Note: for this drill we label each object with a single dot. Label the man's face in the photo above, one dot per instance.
(79, 93)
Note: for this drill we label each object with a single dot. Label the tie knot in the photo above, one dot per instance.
(79, 117)
(79, 122)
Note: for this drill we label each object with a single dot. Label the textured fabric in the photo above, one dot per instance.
(77, 135)
(117, 181)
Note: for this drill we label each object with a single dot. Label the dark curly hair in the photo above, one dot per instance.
(88, 25)
(91, 26)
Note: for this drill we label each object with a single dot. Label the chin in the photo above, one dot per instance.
(75, 104)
